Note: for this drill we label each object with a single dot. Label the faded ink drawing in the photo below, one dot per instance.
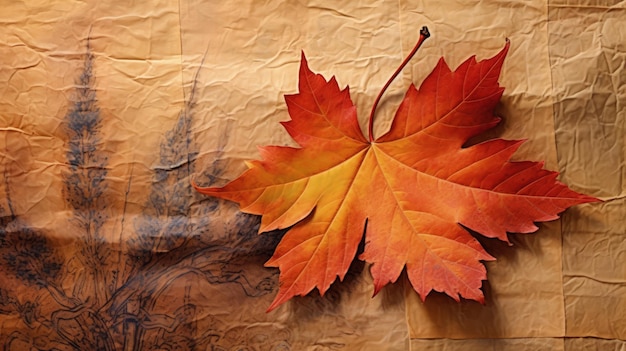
(143, 292)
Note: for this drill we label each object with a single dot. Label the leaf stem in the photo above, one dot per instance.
(424, 34)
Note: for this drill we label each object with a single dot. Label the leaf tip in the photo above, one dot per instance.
(377, 289)
(480, 298)
(274, 305)
(487, 258)
(304, 64)
(282, 297)
(193, 183)
(210, 191)
(505, 49)
(591, 199)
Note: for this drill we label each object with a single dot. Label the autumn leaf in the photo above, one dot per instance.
(411, 191)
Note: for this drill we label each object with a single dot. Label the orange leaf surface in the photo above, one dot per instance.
(409, 190)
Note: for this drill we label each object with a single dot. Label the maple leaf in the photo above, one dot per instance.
(410, 191)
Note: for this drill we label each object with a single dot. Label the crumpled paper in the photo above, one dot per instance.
(108, 110)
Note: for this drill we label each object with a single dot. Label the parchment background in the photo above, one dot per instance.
(108, 108)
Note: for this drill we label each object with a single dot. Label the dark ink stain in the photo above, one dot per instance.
(102, 302)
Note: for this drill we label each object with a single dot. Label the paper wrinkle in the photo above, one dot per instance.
(588, 82)
(188, 89)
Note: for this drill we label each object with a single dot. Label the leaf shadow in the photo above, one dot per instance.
(313, 305)
(468, 318)
(393, 295)
(495, 132)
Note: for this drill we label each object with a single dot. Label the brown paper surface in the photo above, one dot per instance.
(109, 108)
(589, 83)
